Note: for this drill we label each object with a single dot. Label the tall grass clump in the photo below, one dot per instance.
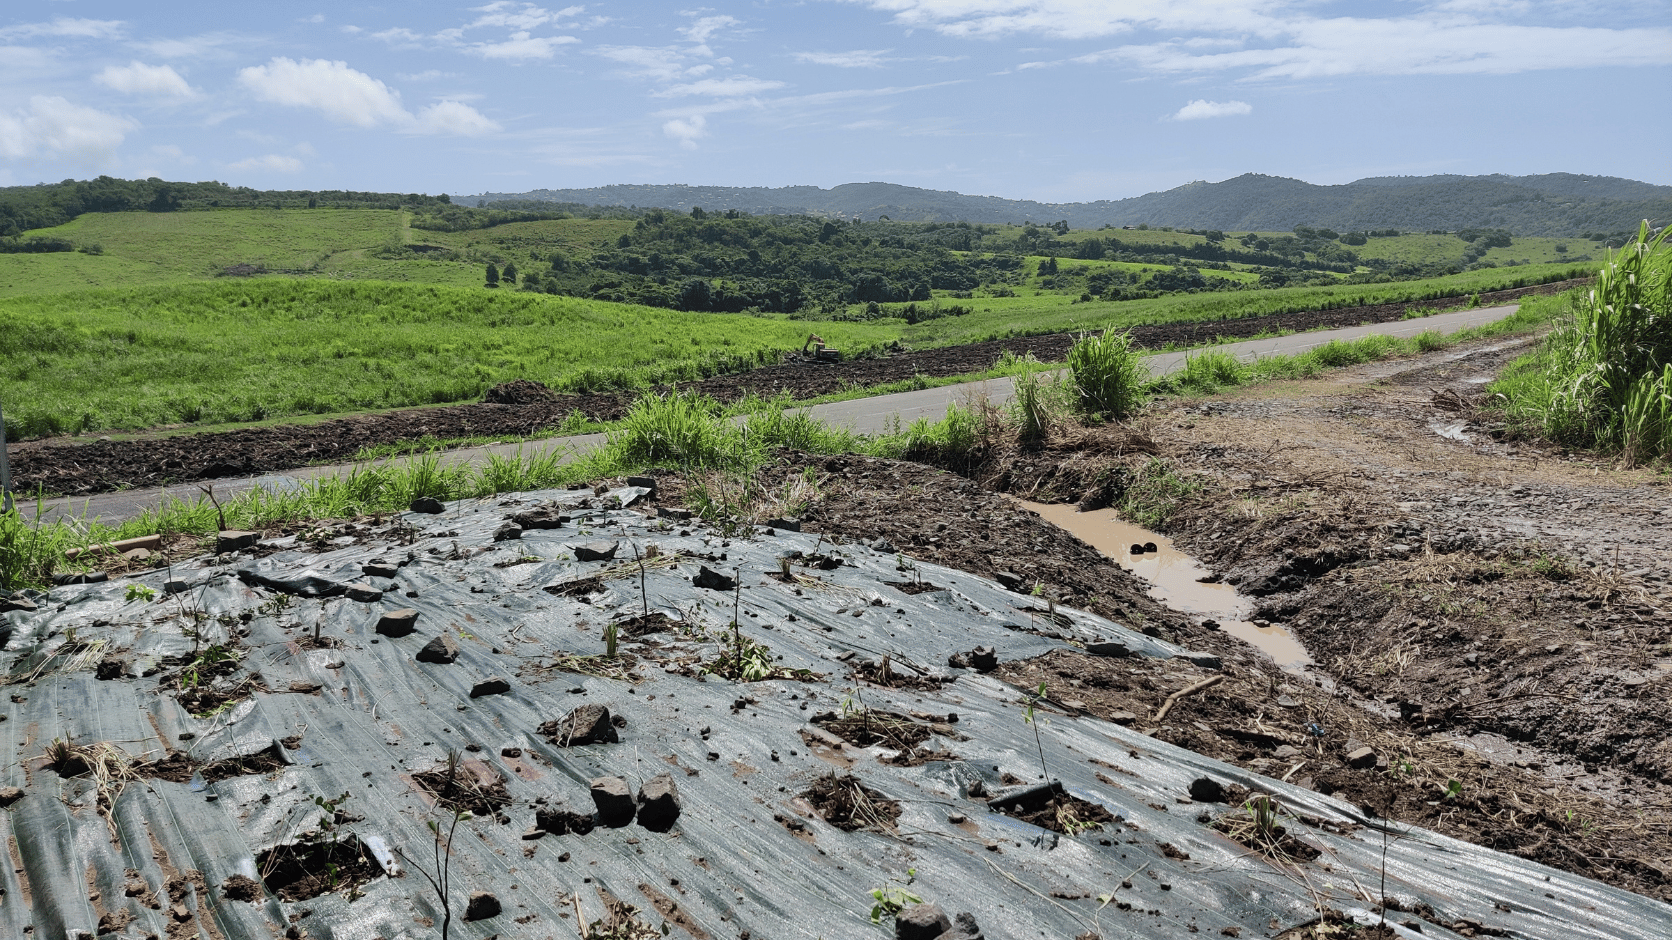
(1603, 377)
(1107, 374)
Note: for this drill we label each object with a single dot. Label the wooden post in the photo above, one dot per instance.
(5, 469)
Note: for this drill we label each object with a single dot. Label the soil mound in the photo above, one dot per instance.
(520, 392)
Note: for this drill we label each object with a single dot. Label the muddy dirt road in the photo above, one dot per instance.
(1490, 620)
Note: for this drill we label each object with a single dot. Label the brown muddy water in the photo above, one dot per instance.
(1175, 578)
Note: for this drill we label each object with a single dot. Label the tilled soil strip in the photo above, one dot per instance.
(78, 468)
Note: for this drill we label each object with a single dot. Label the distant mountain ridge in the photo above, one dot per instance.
(1555, 204)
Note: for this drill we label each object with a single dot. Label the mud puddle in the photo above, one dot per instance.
(1175, 578)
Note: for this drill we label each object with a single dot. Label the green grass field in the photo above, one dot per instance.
(254, 349)
(997, 317)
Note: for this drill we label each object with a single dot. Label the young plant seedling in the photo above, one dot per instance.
(892, 898)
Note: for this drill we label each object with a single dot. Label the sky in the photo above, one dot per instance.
(1054, 100)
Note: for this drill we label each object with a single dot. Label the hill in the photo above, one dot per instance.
(1552, 204)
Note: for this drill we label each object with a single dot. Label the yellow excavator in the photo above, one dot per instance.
(817, 350)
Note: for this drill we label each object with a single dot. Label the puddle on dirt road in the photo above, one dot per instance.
(1174, 577)
(1451, 430)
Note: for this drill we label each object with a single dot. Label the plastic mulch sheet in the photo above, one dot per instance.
(183, 757)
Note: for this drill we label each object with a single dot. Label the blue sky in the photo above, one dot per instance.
(1056, 100)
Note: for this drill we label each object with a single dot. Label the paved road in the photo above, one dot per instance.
(865, 415)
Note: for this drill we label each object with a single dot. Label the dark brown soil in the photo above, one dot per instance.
(76, 468)
(849, 805)
(241, 888)
(307, 870)
(471, 787)
(871, 727)
(1059, 812)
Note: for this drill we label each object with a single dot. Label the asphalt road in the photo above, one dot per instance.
(865, 415)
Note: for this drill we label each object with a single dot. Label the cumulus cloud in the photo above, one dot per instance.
(856, 59)
(349, 96)
(687, 130)
(66, 27)
(54, 126)
(137, 78)
(272, 163)
(456, 118)
(1202, 108)
(721, 87)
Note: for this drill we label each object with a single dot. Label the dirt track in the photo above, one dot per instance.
(75, 467)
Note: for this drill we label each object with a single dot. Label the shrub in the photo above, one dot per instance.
(1604, 376)
(1107, 374)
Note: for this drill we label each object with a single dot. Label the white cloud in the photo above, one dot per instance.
(687, 130)
(857, 59)
(67, 27)
(272, 163)
(349, 96)
(52, 125)
(707, 26)
(1287, 39)
(519, 16)
(428, 75)
(190, 47)
(1202, 108)
(341, 93)
(522, 46)
(316, 18)
(664, 63)
(722, 87)
(137, 78)
(454, 117)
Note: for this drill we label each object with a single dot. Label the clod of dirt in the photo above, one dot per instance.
(482, 905)
(597, 551)
(1207, 790)
(982, 659)
(428, 505)
(924, 921)
(520, 392)
(10, 795)
(465, 786)
(544, 517)
(111, 668)
(303, 870)
(558, 820)
(241, 888)
(659, 803)
(588, 724)
(849, 805)
(914, 587)
(492, 685)
(398, 623)
(713, 580)
(614, 799)
(441, 650)
(1049, 806)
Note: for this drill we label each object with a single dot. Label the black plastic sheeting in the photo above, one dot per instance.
(746, 856)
